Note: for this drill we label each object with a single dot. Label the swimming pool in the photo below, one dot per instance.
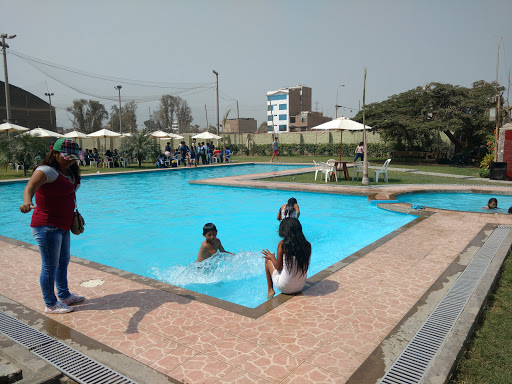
(457, 201)
(151, 224)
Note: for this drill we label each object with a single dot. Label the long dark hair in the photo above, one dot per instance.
(295, 244)
(290, 207)
(51, 160)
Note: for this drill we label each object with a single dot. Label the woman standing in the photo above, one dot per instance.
(54, 183)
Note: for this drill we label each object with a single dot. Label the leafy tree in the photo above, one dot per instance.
(88, 115)
(184, 115)
(129, 117)
(139, 145)
(152, 125)
(413, 119)
(263, 128)
(167, 112)
(212, 129)
(25, 148)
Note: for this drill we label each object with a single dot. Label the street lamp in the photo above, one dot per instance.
(341, 85)
(118, 87)
(50, 98)
(217, 76)
(4, 46)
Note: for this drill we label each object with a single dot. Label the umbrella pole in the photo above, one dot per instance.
(341, 140)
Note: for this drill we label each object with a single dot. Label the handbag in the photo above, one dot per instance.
(77, 226)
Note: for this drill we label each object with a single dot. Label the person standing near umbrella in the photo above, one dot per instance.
(54, 183)
(274, 151)
(359, 152)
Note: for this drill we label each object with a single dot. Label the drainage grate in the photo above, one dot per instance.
(69, 361)
(413, 363)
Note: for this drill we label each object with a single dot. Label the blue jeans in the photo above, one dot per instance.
(358, 155)
(54, 245)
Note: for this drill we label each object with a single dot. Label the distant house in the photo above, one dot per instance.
(27, 110)
(289, 110)
(242, 125)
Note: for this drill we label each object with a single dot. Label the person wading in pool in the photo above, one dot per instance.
(211, 245)
(290, 209)
(491, 204)
(54, 183)
(288, 272)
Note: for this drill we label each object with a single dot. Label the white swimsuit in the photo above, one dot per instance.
(283, 214)
(289, 282)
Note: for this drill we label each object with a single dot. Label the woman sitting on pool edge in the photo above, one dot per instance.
(491, 204)
(288, 272)
(211, 244)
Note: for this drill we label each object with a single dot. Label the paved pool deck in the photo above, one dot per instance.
(361, 310)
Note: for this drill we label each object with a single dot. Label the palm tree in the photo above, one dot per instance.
(139, 145)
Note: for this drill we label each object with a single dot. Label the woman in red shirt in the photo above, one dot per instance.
(54, 183)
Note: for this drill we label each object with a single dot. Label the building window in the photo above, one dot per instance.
(282, 117)
(282, 128)
(270, 108)
(304, 119)
(277, 97)
(270, 128)
(283, 107)
(292, 119)
(269, 117)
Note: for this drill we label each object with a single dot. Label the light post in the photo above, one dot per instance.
(217, 76)
(118, 87)
(341, 85)
(50, 99)
(4, 46)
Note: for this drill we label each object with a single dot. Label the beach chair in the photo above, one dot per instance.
(318, 168)
(328, 170)
(384, 171)
(108, 162)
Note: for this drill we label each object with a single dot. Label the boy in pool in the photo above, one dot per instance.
(211, 244)
(492, 204)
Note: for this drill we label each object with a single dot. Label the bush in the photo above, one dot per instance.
(484, 173)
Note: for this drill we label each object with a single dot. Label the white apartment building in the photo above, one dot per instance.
(284, 105)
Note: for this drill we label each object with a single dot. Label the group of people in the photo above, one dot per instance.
(54, 183)
(288, 270)
(185, 155)
(93, 156)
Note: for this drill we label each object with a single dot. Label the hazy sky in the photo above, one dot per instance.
(256, 46)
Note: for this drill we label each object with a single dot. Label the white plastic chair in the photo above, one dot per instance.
(108, 162)
(328, 170)
(358, 168)
(318, 168)
(384, 171)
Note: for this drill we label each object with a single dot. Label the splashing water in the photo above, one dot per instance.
(218, 269)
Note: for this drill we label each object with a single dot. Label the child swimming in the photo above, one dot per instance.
(211, 244)
(491, 204)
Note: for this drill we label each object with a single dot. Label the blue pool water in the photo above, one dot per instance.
(457, 201)
(151, 224)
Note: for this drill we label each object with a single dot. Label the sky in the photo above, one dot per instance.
(171, 47)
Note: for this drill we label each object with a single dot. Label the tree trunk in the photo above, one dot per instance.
(454, 140)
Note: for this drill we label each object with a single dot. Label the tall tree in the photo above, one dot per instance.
(166, 114)
(413, 119)
(88, 115)
(184, 115)
(128, 115)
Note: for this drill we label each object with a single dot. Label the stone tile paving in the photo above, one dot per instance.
(320, 336)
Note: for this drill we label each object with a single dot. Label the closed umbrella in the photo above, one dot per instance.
(341, 124)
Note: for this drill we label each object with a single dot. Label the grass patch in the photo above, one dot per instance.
(488, 356)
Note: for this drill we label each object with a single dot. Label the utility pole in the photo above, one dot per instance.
(217, 76)
(118, 87)
(4, 36)
(337, 106)
(237, 111)
(51, 117)
(206, 113)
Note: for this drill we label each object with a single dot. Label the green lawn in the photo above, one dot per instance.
(488, 357)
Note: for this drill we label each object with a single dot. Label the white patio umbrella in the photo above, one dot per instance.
(41, 132)
(206, 136)
(75, 135)
(104, 133)
(341, 124)
(10, 127)
(161, 134)
(175, 136)
(127, 134)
